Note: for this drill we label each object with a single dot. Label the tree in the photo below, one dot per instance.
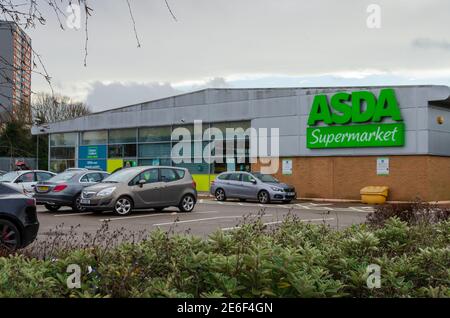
(47, 108)
(30, 13)
(16, 140)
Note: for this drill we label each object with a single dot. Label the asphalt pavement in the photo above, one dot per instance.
(207, 217)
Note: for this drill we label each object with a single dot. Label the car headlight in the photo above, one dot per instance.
(106, 192)
(277, 189)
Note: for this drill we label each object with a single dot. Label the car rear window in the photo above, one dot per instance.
(224, 176)
(235, 177)
(64, 176)
(180, 173)
(168, 175)
(247, 177)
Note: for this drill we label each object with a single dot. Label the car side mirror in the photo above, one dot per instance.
(18, 181)
(254, 181)
(141, 183)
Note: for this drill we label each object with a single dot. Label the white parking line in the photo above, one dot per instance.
(197, 220)
(297, 206)
(205, 219)
(320, 204)
(73, 214)
(303, 206)
(356, 209)
(156, 214)
(278, 222)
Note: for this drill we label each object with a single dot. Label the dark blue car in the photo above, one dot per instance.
(18, 219)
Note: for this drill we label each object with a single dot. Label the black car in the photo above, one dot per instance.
(18, 219)
(65, 188)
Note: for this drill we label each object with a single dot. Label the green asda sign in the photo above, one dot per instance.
(355, 120)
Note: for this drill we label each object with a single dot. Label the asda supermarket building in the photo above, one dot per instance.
(332, 141)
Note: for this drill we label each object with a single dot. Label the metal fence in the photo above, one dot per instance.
(9, 163)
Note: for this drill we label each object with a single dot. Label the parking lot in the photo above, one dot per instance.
(208, 216)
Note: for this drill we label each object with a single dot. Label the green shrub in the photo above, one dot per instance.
(294, 259)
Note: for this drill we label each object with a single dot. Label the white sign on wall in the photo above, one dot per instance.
(287, 166)
(382, 166)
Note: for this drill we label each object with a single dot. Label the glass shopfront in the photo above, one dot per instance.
(112, 150)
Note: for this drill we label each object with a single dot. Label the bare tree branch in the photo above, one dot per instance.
(170, 10)
(47, 108)
(134, 24)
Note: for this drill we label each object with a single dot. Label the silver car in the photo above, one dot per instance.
(154, 187)
(251, 186)
(25, 180)
(65, 188)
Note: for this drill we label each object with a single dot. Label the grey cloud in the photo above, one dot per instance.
(226, 38)
(426, 43)
(103, 96)
(106, 96)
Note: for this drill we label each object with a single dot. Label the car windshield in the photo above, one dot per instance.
(9, 177)
(266, 178)
(119, 176)
(64, 176)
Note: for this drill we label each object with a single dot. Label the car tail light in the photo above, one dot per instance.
(194, 184)
(59, 187)
(31, 202)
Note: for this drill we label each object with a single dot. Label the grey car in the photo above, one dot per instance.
(65, 189)
(155, 187)
(251, 186)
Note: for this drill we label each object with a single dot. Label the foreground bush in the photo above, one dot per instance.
(414, 213)
(292, 260)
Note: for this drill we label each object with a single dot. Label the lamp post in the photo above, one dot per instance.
(41, 130)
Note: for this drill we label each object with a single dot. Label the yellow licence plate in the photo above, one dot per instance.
(43, 189)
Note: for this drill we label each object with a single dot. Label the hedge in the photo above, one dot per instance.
(294, 259)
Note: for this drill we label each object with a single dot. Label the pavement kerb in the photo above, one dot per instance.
(206, 195)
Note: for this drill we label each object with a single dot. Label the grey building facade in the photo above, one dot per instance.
(336, 170)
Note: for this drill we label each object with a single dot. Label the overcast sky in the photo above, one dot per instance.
(243, 43)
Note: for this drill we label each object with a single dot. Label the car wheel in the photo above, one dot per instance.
(77, 207)
(187, 203)
(123, 206)
(263, 197)
(220, 195)
(9, 235)
(52, 208)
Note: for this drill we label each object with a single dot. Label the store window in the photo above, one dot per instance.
(122, 136)
(154, 134)
(62, 153)
(66, 139)
(94, 137)
(122, 151)
(239, 128)
(155, 162)
(61, 165)
(195, 168)
(155, 150)
(193, 134)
